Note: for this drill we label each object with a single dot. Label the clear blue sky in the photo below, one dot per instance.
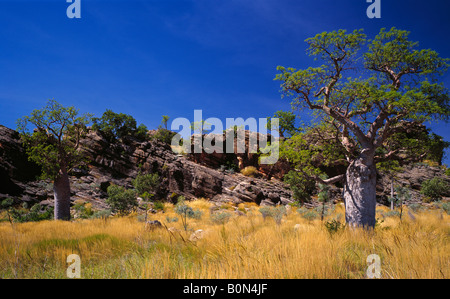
(168, 57)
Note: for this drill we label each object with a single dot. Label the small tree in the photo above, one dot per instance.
(55, 146)
(323, 197)
(121, 200)
(185, 211)
(146, 185)
(165, 120)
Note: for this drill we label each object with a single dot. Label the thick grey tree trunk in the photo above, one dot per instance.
(61, 189)
(360, 192)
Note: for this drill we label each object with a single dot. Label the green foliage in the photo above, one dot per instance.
(121, 200)
(334, 226)
(307, 213)
(164, 135)
(447, 171)
(171, 219)
(54, 144)
(159, 205)
(434, 188)
(221, 217)
(101, 214)
(301, 186)
(398, 92)
(34, 214)
(276, 213)
(6, 203)
(287, 126)
(446, 207)
(185, 211)
(311, 152)
(165, 120)
(114, 126)
(84, 210)
(146, 184)
(201, 127)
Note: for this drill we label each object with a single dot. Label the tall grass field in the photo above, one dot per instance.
(245, 245)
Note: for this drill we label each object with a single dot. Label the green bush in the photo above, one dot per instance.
(185, 211)
(301, 187)
(118, 125)
(146, 184)
(447, 171)
(6, 203)
(159, 206)
(121, 200)
(171, 219)
(84, 210)
(276, 213)
(446, 207)
(307, 213)
(164, 135)
(334, 226)
(101, 214)
(34, 214)
(434, 188)
(221, 217)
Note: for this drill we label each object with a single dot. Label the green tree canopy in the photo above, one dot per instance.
(55, 141)
(287, 126)
(54, 144)
(118, 125)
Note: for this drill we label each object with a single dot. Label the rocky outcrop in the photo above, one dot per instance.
(244, 153)
(119, 163)
(412, 176)
(15, 169)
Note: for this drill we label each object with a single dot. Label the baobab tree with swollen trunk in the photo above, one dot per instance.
(54, 145)
(364, 100)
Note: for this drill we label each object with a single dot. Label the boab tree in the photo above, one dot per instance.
(54, 145)
(363, 101)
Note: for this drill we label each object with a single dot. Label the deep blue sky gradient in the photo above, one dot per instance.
(168, 57)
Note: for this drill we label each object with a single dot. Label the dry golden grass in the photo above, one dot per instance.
(245, 247)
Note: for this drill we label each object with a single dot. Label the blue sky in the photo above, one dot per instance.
(169, 57)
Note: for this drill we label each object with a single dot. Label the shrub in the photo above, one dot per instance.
(164, 135)
(415, 207)
(36, 213)
(185, 211)
(146, 184)
(434, 188)
(250, 171)
(6, 203)
(83, 209)
(334, 226)
(121, 200)
(446, 207)
(171, 219)
(307, 213)
(301, 187)
(221, 217)
(101, 214)
(275, 212)
(392, 213)
(159, 206)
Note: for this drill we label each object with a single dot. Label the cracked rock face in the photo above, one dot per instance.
(121, 162)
